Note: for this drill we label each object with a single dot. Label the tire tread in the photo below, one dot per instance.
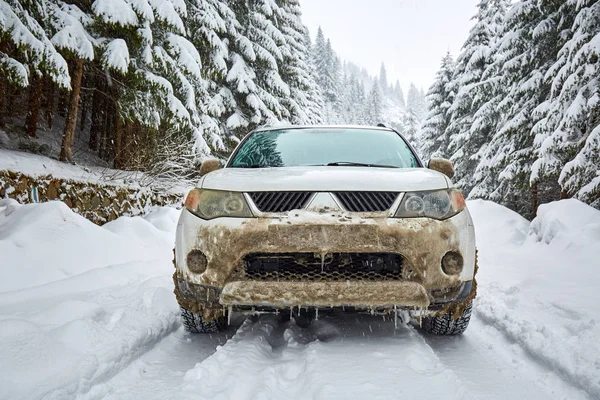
(194, 323)
(446, 325)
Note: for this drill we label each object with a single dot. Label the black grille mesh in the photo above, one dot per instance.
(280, 201)
(301, 267)
(366, 201)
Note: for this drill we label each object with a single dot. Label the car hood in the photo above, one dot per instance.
(325, 179)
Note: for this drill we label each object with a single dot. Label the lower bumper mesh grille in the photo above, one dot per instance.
(331, 267)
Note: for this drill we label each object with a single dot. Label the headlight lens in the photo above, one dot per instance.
(438, 204)
(209, 204)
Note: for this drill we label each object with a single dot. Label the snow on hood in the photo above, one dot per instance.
(325, 179)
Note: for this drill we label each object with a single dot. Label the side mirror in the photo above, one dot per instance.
(442, 165)
(210, 165)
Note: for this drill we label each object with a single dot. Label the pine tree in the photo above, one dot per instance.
(568, 134)
(415, 102)
(504, 170)
(73, 39)
(467, 137)
(26, 27)
(411, 129)
(399, 95)
(295, 69)
(383, 81)
(268, 42)
(374, 105)
(435, 139)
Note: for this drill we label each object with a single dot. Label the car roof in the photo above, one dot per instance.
(287, 127)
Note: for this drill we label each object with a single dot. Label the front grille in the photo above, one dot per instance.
(279, 201)
(313, 267)
(366, 201)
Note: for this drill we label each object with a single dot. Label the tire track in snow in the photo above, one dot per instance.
(577, 366)
(494, 368)
(357, 356)
(106, 330)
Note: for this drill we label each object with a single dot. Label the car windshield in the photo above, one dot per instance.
(324, 146)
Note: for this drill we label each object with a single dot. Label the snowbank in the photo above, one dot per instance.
(566, 223)
(538, 284)
(79, 302)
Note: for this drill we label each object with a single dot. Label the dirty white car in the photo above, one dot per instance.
(319, 219)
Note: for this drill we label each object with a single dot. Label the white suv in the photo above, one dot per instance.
(325, 218)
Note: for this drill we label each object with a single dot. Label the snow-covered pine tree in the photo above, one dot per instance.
(467, 138)
(269, 44)
(319, 57)
(504, 170)
(434, 138)
(399, 95)
(383, 81)
(411, 129)
(314, 92)
(568, 135)
(212, 26)
(74, 41)
(415, 101)
(374, 105)
(26, 49)
(332, 81)
(27, 55)
(295, 68)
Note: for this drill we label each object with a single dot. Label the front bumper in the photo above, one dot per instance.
(422, 242)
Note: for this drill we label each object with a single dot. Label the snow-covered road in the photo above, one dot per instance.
(87, 312)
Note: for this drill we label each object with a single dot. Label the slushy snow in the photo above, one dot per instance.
(88, 312)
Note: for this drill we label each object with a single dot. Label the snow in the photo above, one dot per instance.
(116, 56)
(88, 312)
(37, 165)
(79, 301)
(72, 35)
(187, 54)
(117, 12)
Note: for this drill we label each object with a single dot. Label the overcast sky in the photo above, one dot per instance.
(409, 36)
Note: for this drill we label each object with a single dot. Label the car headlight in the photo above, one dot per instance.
(209, 204)
(438, 204)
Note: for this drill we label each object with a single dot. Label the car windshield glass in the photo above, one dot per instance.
(324, 146)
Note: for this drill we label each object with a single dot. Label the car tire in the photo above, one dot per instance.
(194, 323)
(447, 324)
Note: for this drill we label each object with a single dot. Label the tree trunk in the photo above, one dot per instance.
(2, 94)
(49, 102)
(61, 109)
(534, 198)
(84, 100)
(118, 144)
(105, 126)
(66, 151)
(129, 145)
(96, 120)
(33, 109)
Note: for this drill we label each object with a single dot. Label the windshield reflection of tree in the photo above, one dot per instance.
(260, 150)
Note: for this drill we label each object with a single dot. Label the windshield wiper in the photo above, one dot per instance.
(357, 164)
